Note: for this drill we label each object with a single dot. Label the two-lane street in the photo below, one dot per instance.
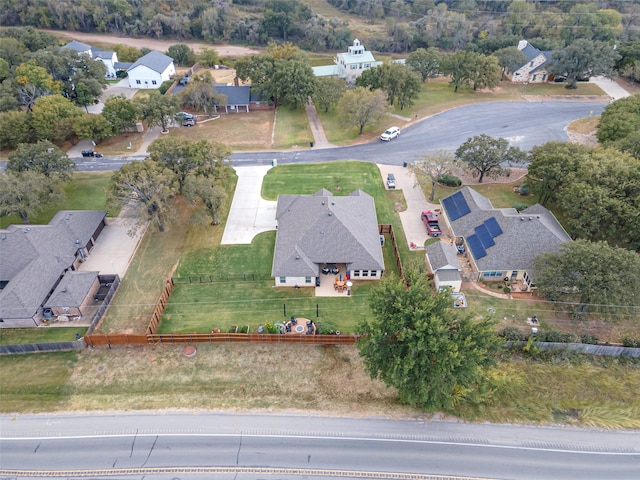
(259, 446)
(524, 124)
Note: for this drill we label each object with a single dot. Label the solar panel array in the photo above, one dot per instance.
(493, 227)
(484, 237)
(476, 246)
(456, 206)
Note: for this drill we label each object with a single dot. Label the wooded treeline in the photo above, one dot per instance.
(406, 24)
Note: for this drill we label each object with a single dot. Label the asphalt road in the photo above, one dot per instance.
(524, 124)
(207, 445)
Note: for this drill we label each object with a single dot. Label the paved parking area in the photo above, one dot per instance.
(115, 247)
(249, 214)
(414, 229)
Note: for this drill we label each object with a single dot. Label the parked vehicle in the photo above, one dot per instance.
(189, 122)
(430, 220)
(391, 181)
(390, 134)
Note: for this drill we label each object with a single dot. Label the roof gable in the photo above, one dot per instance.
(154, 60)
(34, 257)
(515, 238)
(319, 228)
(442, 256)
(78, 46)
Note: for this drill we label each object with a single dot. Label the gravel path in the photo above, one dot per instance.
(152, 43)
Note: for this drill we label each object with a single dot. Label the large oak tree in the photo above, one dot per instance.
(418, 343)
(486, 156)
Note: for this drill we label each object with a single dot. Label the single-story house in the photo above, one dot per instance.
(240, 98)
(534, 70)
(322, 229)
(108, 57)
(442, 258)
(151, 70)
(501, 243)
(348, 65)
(35, 259)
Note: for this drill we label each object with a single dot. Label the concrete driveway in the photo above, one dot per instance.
(249, 214)
(414, 229)
(115, 247)
(120, 88)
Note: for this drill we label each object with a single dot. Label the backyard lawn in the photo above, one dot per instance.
(238, 288)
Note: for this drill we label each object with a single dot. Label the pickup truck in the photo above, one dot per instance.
(430, 220)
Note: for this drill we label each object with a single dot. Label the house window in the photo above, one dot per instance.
(534, 78)
(531, 64)
(138, 82)
(374, 273)
(153, 82)
(356, 273)
(367, 65)
(491, 274)
(283, 279)
(365, 273)
(307, 279)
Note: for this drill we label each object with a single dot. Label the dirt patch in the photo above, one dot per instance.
(154, 44)
(468, 179)
(588, 139)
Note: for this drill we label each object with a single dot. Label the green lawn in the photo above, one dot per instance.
(15, 336)
(200, 307)
(85, 192)
(292, 128)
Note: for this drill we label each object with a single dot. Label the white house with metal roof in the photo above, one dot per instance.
(108, 57)
(151, 70)
(317, 230)
(501, 243)
(350, 64)
(35, 261)
(535, 68)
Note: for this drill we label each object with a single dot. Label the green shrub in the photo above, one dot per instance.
(324, 328)
(524, 189)
(556, 337)
(631, 342)
(507, 290)
(513, 334)
(589, 339)
(449, 180)
(520, 206)
(165, 86)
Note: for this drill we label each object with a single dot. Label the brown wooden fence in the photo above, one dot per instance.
(388, 230)
(168, 338)
(160, 306)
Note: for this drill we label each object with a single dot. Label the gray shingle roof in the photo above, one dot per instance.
(442, 255)
(322, 228)
(156, 61)
(34, 257)
(78, 46)
(72, 289)
(525, 235)
(236, 95)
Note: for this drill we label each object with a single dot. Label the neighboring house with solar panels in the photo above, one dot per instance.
(501, 243)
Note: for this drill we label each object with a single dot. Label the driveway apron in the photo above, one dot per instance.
(414, 229)
(249, 214)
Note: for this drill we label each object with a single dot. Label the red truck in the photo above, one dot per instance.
(430, 220)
